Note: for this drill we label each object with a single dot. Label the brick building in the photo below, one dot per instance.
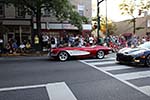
(142, 26)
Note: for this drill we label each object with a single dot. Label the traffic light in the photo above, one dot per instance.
(140, 11)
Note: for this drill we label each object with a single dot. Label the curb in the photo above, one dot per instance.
(23, 54)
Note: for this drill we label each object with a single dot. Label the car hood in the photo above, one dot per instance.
(132, 51)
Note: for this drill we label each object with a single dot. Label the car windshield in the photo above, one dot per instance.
(145, 45)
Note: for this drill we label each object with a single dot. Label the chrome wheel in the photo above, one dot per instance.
(100, 54)
(63, 56)
(148, 61)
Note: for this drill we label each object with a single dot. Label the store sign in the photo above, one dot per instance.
(54, 26)
(69, 26)
(87, 27)
(63, 26)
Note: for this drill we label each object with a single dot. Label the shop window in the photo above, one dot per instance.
(1, 9)
(26, 29)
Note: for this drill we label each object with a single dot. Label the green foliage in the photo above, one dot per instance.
(111, 26)
(62, 9)
(128, 7)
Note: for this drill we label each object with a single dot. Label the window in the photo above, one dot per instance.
(1, 9)
(20, 12)
(46, 12)
(81, 12)
(148, 23)
(81, 9)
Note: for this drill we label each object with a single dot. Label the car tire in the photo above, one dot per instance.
(100, 54)
(63, 56)
(147, 62)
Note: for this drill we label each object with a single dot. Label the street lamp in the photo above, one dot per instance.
(98, 18)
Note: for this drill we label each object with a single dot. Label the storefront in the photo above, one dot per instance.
(62, 29)
(17, 29)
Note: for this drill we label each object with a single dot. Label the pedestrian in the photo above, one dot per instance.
(36, 42)
(1, 45)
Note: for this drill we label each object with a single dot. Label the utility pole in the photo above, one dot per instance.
(98, 17)
(107, 33)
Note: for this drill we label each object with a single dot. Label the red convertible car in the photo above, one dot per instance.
(65, 53)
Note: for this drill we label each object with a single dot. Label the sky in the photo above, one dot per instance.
(113, 11)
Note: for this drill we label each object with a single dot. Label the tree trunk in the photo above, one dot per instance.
(38, 24)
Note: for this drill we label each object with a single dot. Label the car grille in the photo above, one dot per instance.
(126, 58)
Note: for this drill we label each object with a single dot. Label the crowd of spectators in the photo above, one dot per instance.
(73, 40)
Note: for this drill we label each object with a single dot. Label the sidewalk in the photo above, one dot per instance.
(25, 54)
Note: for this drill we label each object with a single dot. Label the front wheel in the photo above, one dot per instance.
(147, 62)
(100, 54)
(63, 56)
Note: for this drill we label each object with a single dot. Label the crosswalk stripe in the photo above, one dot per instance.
(102, 63)
(134, 75)
(145, 89)
(111, 68)
(118, 78)
(111, 58)
(59, 91)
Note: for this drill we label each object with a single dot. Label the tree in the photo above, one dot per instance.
(62, 9)
(111, 26)
(129, 7)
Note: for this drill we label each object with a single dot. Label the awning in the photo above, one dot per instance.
(127, 34)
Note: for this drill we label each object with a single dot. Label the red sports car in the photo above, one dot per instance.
(65, 53)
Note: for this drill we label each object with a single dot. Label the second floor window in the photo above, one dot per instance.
(46, 12)
(81, 9)
(81, 12)
(20, 12)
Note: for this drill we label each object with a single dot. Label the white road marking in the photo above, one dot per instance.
(117, 67)
(59, 91)
(22, 87)
(146, 89)
(110, 58)
(118, 78)
(133, 75)
(102, 63)
(56, 91)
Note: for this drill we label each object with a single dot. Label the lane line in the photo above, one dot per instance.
(22, 87)
(133, 75)
(117, 67)
(145, 89)
(121, 80)
(59, 91)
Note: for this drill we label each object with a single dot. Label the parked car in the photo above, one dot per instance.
(65, 53)
(138, 55)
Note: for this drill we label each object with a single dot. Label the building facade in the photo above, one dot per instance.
(19, 24)
(142, 26)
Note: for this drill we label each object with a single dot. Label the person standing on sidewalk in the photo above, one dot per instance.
(1, 45)
(36, 42)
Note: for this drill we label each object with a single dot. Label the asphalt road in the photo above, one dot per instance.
(27, 78)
